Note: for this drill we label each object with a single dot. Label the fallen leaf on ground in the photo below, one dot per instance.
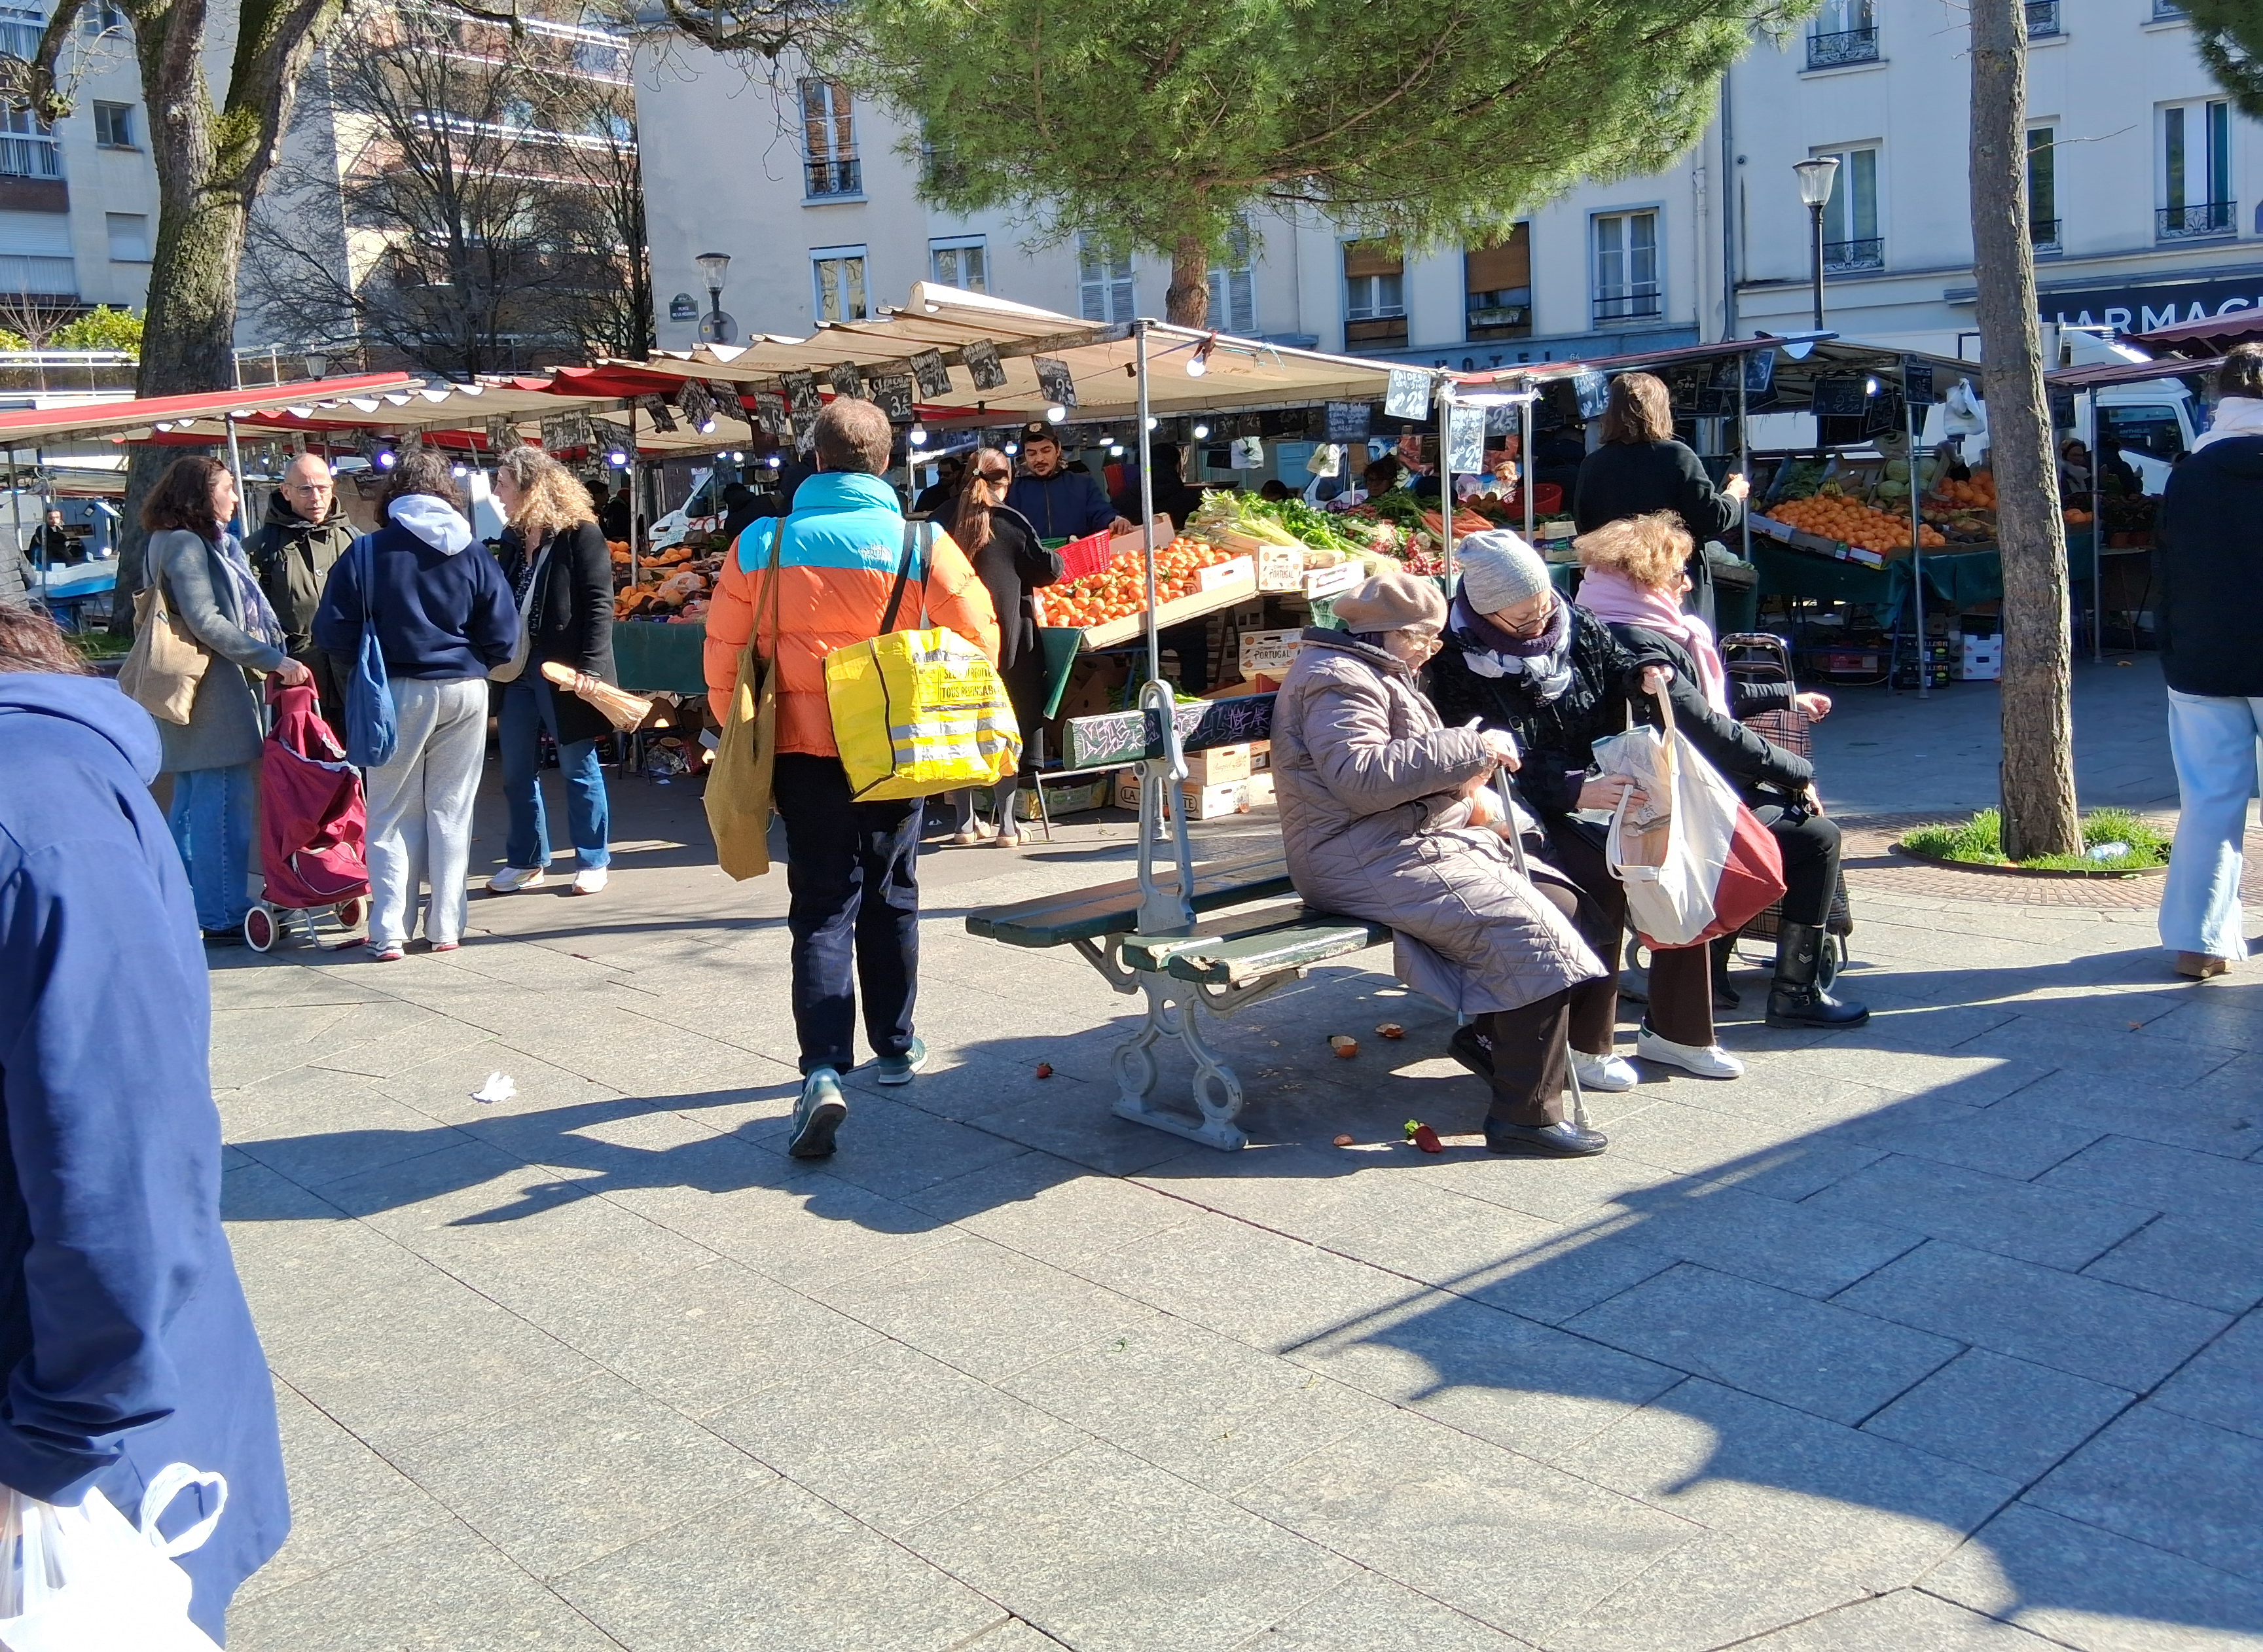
(1044, 1070)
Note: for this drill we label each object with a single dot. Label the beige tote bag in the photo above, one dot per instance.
(167, 662)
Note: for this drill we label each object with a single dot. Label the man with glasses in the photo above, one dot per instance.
(306, 531)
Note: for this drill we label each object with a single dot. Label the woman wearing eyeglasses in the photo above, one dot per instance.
(1011, 563)
(1519, 657)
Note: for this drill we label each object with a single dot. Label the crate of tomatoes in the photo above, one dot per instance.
(1192, 578)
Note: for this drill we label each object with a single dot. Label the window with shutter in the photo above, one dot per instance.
(1375, 293)
(828, 135)
(1233, 286)
(1497, 286)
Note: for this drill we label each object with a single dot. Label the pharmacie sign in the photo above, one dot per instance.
(2142, 309)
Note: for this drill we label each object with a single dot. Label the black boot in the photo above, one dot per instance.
(1795, 999)
(1473, 1048)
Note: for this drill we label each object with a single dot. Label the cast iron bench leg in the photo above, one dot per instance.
(1173, 1008)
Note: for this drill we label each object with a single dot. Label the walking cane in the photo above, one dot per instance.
(1516, 853)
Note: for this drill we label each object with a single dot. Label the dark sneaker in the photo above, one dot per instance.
(898, 1069)
(817, 1117)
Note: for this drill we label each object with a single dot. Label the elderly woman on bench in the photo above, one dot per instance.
(1384, 816)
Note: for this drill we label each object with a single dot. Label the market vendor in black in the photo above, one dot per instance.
(51, 544)
(1059, 503)
(1641, 468)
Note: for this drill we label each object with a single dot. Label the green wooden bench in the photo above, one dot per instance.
(1215, 936)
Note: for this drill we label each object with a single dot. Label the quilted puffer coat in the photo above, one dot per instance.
(1368, 783)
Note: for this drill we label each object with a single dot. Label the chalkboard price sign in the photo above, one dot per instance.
(1594, 391)
(1348, 421)
(770, 414)
(934, 377)
(1917, 383)
(1465, 441)
(699, 407)
(656, 408)
(801, 393)
(1054, 381)
(848, 381)
(893, 394)
(981, 358)
(1407, 396)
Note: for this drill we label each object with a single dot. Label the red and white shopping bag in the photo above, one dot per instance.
(1702, 867)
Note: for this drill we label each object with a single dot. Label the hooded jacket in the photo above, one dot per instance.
(293, 557)
(2211, 536)
(1065, 505)
(837, 565)
(124, 1336)
(443, 610)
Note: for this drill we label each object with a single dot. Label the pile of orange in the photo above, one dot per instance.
(1979, 493)
(1120, 589)
(1834, 516)
(2076, 517)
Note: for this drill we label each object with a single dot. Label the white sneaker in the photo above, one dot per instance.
(511, 879)
(590, 880)
(1604, 1072)
(1710, 1062)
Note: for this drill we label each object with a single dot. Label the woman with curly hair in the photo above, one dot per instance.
(1636, 579)
(553, 553)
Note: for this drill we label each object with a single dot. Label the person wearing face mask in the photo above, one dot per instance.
(1385, 815)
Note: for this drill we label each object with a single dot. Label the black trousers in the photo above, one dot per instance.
(852, 874)
(1680, 994)
(1810, 844)
(1530, 1043)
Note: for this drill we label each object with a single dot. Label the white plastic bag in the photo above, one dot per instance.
(83, 1580)
(1669, 866)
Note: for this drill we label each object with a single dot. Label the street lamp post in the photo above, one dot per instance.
(1816, 175)
(713, 266)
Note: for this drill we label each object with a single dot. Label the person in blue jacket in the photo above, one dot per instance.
(124, 1336)
(1059, 503)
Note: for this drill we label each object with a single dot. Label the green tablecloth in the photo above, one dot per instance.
(655, 657)
(1953, 580)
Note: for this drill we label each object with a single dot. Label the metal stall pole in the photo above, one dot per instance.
(2097, 539)
(1917, 544)
(1745, 466)
(1530, 480)
(628, 480)
(1161, 912)
(243, 500)
(1446, 475)
(16, 502)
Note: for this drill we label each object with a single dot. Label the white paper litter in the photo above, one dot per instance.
(497, 1088)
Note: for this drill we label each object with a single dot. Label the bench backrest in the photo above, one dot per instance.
(1116, 738)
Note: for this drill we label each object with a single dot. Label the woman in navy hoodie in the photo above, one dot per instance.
(124, 1343)
(445, 616)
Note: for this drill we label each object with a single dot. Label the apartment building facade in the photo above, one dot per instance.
(79, 202)
(2138, 163)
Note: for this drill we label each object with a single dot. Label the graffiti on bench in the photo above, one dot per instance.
(1128, 737)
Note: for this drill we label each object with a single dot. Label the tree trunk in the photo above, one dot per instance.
(2039, 811)
(1187, 304)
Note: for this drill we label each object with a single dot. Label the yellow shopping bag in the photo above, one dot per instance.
(915, 712)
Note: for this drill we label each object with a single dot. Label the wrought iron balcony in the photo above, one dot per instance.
(1642, 305)
(835, 177)
(1869, 254)
(2043, 19)
(2196, 221)
(1845, 45)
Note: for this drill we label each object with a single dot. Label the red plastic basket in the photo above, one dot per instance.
(1088, 555)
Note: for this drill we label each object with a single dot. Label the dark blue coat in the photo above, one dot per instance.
(124, 1335)
(442, 615)
(1067, 505)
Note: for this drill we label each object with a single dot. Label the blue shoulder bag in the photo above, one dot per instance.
(370, 730)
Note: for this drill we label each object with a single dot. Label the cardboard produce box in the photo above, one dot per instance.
(1219, 765)
(1270, 651)
(1203, 803)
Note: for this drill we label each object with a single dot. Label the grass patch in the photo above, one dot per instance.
(2139, 845)
(98, 643)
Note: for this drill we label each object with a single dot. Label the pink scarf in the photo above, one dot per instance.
(1612, 597)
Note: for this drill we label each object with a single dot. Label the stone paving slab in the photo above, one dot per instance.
(1921, 1335)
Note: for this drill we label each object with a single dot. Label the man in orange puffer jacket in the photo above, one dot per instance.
(851, 868)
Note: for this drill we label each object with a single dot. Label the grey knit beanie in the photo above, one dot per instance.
(1499, 570)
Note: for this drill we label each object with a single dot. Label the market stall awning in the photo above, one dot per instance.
(2210, 336)
(36, 425)
(1239, 373)
(445, 415)
(1801, 359)
(2098, 375)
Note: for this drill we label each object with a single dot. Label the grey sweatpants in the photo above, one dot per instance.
(420, 810)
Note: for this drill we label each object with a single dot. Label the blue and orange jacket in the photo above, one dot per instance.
(844, 542)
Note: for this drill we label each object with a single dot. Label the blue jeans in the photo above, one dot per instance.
(529, 707)
(2212, 739)
(211, 818)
